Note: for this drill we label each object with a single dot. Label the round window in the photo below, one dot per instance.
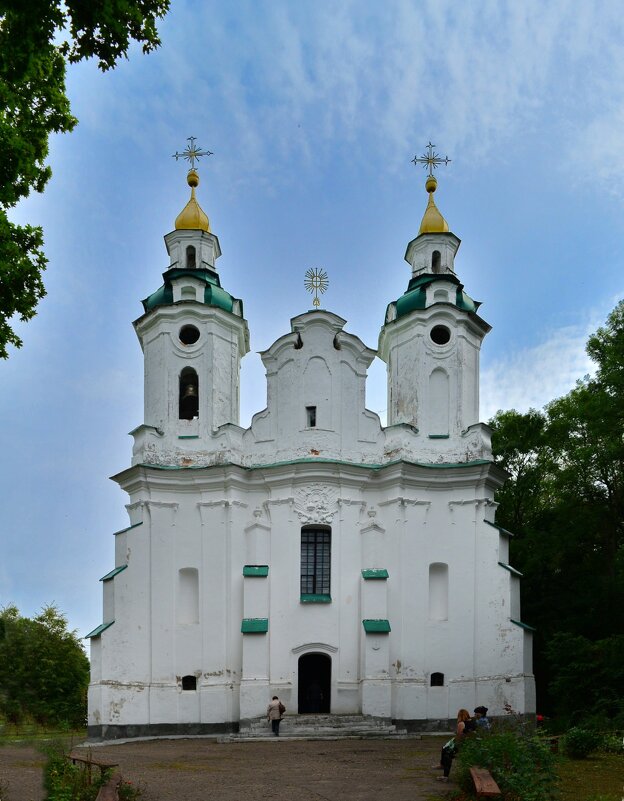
(188, 334)
(440, 334)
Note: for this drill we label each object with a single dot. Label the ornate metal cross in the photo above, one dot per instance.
(316, 281)
(192, 152)
(431, 159)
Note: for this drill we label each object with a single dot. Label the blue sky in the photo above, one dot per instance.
(313, 111)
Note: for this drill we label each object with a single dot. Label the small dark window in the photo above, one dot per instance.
(311, 416)
(437, 679)
(189, 394)
(189, 334)
(435, 261)
(440, 334)
(315, 561)
(190, 258)
(189, 682)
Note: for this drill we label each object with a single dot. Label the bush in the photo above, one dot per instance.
(522, 765)
(612, 744)
(579, 743)
(66, 782)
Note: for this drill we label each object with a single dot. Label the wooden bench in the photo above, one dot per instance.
(90, 762)
(485, 786)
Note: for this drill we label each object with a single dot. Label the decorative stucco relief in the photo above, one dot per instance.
(316, 504)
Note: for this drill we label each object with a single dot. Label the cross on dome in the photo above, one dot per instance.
(431, 159)
(192, 152)
(192, 216)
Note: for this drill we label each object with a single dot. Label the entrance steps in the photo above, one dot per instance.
(318, 727)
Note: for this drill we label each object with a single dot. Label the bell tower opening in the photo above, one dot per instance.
(189, 394)
(314, 684)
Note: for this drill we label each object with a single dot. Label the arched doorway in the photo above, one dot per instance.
(314, 683)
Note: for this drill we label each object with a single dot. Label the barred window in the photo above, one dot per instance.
(315, 561)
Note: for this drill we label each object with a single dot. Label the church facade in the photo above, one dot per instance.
(344, 566)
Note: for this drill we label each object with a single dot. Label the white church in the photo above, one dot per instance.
(347, 567)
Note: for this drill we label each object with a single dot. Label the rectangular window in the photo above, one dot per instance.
(315, 561)
(311, 416)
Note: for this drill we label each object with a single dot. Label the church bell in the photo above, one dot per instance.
(189, 402)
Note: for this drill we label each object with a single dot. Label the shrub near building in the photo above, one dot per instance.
(522, 765)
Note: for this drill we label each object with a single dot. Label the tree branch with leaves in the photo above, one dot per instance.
(37, 41)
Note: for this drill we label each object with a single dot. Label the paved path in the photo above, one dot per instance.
(280, 770)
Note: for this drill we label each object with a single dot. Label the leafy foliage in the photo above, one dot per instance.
(523, 766)
(44, 671)
(65, 781)
(37, 39)
(565, 503)
(589, 675)
(580, 743)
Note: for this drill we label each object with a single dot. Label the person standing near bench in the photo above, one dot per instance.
(275, 710)
(450, 749)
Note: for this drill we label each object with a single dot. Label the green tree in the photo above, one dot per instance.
(37, 40)
(44, 671)
(565, 503)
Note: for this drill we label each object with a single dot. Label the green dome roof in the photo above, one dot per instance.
(416, 295)
(214, 295)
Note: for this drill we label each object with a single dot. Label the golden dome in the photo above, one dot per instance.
(192, 216)
(432, 222)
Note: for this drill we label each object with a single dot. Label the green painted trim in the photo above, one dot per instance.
(427, 465)
(314, 598)
(188, 436)
(97, 631)
(255, 625)
(375, 573)
(511, 569)
(378, 626)
(500, 528)
(113, 573)
(438, 436)
(123, 530)
(522, 625)
(262, 571)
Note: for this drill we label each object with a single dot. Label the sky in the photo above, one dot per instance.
(313, 111)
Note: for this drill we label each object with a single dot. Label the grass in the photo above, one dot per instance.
(31, 733)
(600, 776)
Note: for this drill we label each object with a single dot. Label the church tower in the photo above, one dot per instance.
(431, 340)
(193, 337)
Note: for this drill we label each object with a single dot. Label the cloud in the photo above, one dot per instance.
(532, 377)
(277, 84)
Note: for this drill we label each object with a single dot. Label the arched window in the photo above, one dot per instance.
(189, 394)
(315, 560)
(189, 682)
(190, 258)
(438, 591)
(436, 263)
(437, 679)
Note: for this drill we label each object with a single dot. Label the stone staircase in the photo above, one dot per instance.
(318, 727)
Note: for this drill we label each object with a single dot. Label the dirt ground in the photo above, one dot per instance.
(281, 770)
